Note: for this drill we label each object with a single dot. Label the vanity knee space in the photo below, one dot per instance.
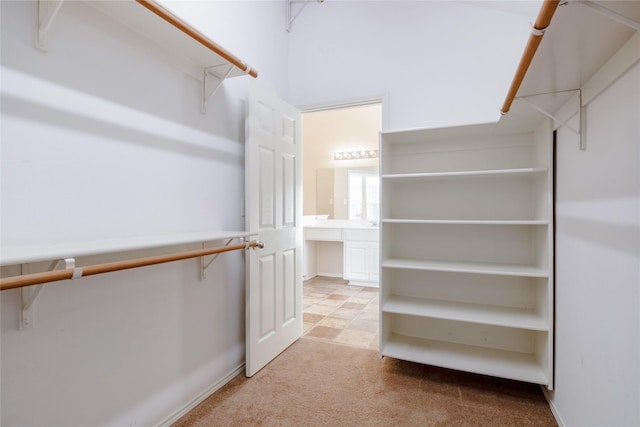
(342, 248)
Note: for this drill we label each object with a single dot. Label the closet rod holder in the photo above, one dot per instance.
(581, 111)
(204, 265)
(29, 294)
(90, 270)
(290, 17)
(537, 32)
(47, 11)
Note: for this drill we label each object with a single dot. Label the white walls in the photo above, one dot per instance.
(440, 63)
(598, 263)
(102, 139)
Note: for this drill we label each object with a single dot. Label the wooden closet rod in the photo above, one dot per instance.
(196, 35)
(90, 270)
(543, 20)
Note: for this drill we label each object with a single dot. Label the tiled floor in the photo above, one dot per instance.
(335, 311)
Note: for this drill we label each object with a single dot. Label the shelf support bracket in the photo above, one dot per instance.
(212, 78)
(611, 14)
(28, 295)
(290, 17)
(47, 11)
(204, 265)
(580, 132)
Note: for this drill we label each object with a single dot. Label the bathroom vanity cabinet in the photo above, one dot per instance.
(466, 250)
(345, 249)
(361, 256)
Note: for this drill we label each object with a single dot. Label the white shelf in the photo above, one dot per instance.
(11, 255)
(420, 135)
(486, 361)
(469, 173)
(467, 221)
(466, 312)
(157, 23)
(173, 39)
(467, 267)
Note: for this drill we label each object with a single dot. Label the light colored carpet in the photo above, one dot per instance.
(314, 383)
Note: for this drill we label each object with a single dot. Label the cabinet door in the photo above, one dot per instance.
(356, 261)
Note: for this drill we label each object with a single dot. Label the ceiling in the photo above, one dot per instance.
(578, 42)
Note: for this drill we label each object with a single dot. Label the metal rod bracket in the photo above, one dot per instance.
(47, 11)
(290, 15)
(580, 131)
(29, 294)
(204, 265)
(212, 78)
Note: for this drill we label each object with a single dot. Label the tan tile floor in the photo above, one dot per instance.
(335, 311)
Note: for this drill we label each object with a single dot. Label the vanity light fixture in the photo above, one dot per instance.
(360, 154)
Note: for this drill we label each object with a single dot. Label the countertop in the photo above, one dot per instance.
(338, 223)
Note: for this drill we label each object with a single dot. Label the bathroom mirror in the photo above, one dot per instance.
(348, 193)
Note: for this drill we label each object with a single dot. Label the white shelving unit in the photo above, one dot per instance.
(466, 250)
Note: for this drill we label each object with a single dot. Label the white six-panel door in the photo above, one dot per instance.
(274, 211)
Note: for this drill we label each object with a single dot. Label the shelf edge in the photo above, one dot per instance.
(436, 353)
(470, 173)
(525, 319)
(499, 270)
(28, 253)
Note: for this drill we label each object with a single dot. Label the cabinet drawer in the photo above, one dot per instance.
(361, 235)
(327, 234)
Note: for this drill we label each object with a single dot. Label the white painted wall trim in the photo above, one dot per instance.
(201, 397)
(621, 62)
(343, 103)
(553, 408)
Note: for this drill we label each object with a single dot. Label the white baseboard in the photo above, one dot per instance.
(554, 410)
(334, 275)
(201, 397)
(365, 284)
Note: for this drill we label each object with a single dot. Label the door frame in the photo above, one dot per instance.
(383, 100)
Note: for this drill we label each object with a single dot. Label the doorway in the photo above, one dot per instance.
(325, 132)
(340, 192)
